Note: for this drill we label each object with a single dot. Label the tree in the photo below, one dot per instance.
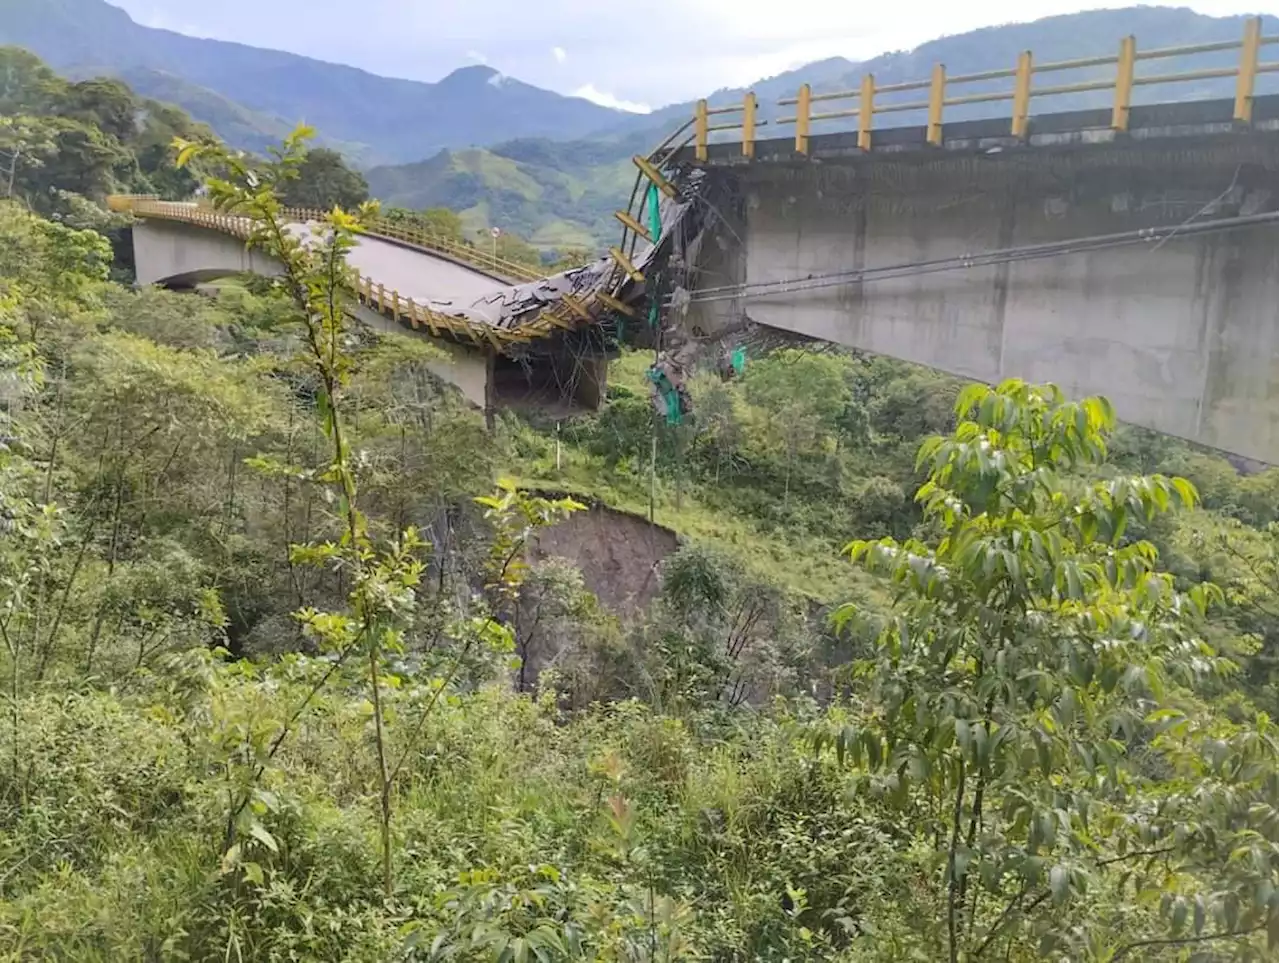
(324, 181)
(1031, 705)
(62, 154)
(805, 394)
(439, 221)
(25, 144)
(105, 103)
(27, 85)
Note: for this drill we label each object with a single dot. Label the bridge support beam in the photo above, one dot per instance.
(1181, 335)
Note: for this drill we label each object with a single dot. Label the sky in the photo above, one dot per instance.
(621, 53)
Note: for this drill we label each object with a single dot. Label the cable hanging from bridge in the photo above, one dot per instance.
(1030, 252)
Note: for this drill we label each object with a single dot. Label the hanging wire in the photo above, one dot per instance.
(1083, 245)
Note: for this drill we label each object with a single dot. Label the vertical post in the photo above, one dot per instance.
(653, 470)
(802, 120)
(749, 125)
(1021, 95)
(937, 92)
(866, 111)
(700, 131)
(1124, 84)
(1248, 69)
(413, 314)
(395, 305)
(382, 297)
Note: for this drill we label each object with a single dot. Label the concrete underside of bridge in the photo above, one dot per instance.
(1181, 335)
(556, 374)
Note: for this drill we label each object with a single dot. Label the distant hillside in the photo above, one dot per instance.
(558, 195)
(394, 120)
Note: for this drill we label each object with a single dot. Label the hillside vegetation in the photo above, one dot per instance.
(937, 672)
(556, 195)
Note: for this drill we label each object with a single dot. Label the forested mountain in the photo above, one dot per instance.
(249, 95)
(61, 140)
(557, 194)
(379, 119)
(485, 145)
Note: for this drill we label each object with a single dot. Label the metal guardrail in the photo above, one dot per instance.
(697, 130)
(566, 313)
(939, 87)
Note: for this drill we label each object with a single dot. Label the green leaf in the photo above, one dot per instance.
(259, 832)
(1059, 883)
(964, 735)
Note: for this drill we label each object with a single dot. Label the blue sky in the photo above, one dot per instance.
(622, 53)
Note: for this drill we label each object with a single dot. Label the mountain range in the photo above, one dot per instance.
(374, 119)
(499, 151)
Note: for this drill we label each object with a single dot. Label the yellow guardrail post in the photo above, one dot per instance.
(749, 125)
(802, 119)
(1248, 69)
(937, 93)
(1021, 95)
(1124, 84)
(700, 131)
(866, 111)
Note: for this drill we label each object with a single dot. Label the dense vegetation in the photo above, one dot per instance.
(558, 195)
(282, 681)
(61, 140)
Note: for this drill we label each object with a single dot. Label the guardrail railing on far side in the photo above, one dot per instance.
(1022, 93)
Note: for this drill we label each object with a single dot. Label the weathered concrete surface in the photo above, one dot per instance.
(181, 255)
(1181, 336)
(465, 367)
(443, 283)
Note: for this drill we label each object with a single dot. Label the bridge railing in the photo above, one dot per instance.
(937, 92)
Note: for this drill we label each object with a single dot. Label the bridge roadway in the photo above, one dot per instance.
(435, 281)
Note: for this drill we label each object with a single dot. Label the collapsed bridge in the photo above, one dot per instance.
(1128, 250)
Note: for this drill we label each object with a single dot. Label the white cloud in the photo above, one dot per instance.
(476, 57)
(497, 80)
(560, 54)
(604, 99)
